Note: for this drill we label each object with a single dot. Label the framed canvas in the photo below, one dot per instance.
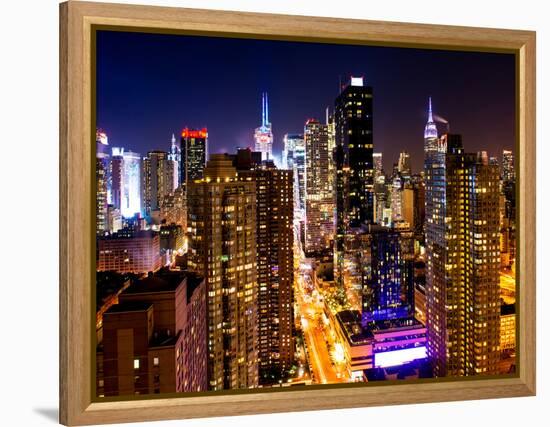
(266, 213)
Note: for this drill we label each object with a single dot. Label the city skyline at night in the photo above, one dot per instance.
(258, 227)
(152, 85)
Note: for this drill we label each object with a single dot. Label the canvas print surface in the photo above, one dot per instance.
(283, 214)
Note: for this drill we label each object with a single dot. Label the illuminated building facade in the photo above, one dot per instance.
(154, 339)
(263, 136)
(290, 142)
(102, 183)
(319, 224)
(222, 247)
(377, 164)
(159, 173)
(172, 238)
(404, 164)
(173, 209)
(388, 288)
(275, 268)
(396, 198)
(126, 181)
(380, 200)
(508, 171)
(384, 344)
(507, 327)
(462, 257)
(194, 152)
(175, 156)
(128, 251)
(354, 162)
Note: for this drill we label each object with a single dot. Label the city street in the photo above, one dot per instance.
(311, 312)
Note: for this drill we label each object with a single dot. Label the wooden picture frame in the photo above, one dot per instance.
(77, 407)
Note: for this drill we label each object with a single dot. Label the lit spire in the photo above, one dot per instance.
(263, 108)
(266, 110)
(430, 131)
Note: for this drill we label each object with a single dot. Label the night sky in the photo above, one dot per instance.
(150, 86)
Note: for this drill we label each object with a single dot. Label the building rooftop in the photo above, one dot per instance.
(109, 283)
(402, 323)
(164, 339)
(129, 234)
(162, 281)
(126, 307)
(350, 321)
(165, 280)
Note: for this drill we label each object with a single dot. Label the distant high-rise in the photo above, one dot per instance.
(404, 164)
(508, 171)
(377, 164)
(175, 156)
(396, 198)
(319, 225)
(354, 162)
(290, 141)
(275, 268)
(388, 291)
(222, 247)
(462, 257)
(263, 136)
(194, 152)
(102, 181)
(158, 178)
(126, 181)
(380, 199)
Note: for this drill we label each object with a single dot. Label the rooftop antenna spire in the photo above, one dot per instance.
(430, 116)
(266, 110)
(263, 108)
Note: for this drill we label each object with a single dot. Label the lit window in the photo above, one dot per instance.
(156, 361)
(136, 363)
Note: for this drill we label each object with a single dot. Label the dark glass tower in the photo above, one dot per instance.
(194, 153)
(354, 162)
(387, 279)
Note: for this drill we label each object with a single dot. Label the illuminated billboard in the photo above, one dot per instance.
(399, 357)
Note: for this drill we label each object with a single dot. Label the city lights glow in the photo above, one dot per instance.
(399, 357)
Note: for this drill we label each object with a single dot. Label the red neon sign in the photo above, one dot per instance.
(194, 133)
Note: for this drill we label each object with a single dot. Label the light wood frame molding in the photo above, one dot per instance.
(77, 407)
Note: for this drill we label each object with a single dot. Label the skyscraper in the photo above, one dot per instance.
(263, 136)
(194, 152)
(404, 164)
(462, 257)
(377, 164)
(290, 141)
(222, 247)
(396, 198)
(508, 171)
(158, 178)
(126, 181)
(275, 268)
(387, 289)
(319, 225)
(102, 178)
(175, 156)
(354, 162)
